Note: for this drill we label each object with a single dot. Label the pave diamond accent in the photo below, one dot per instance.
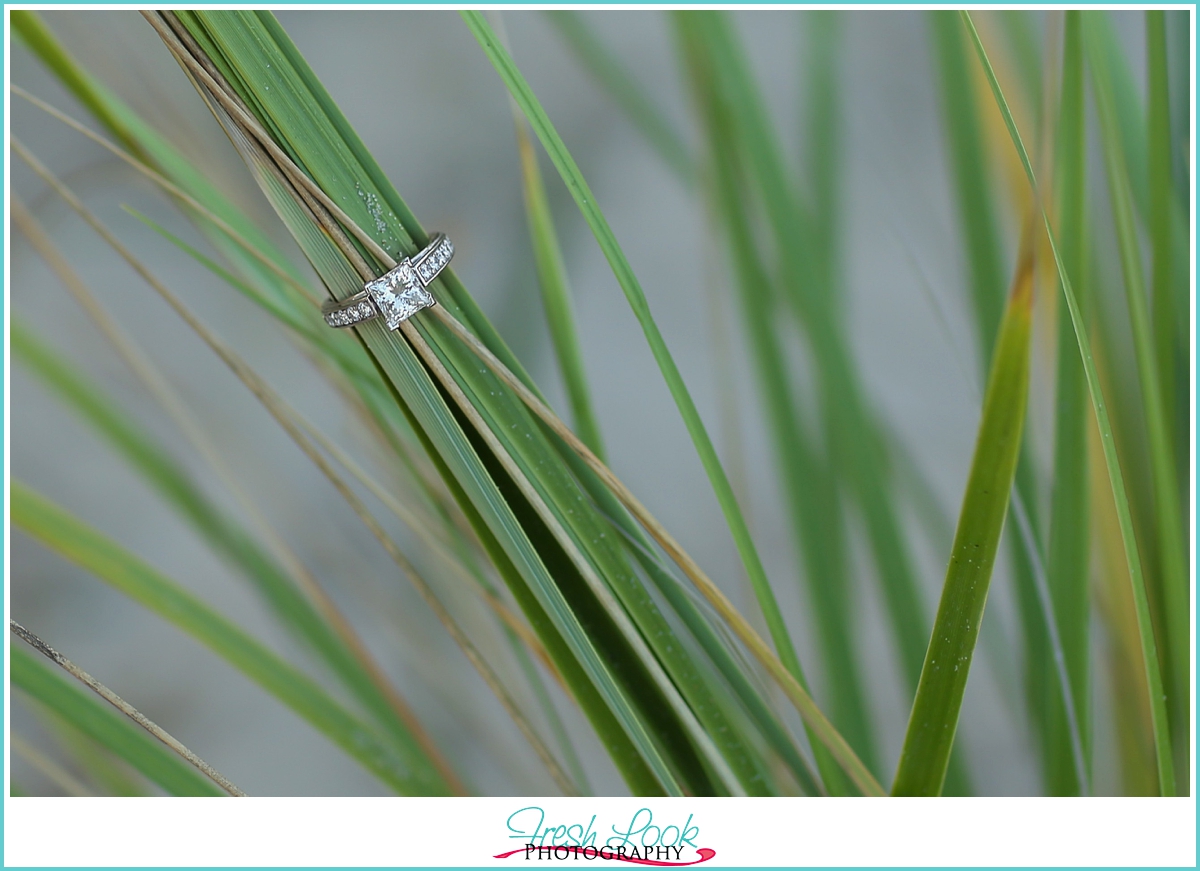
(435, 261)
(399, 295)
(350, 315)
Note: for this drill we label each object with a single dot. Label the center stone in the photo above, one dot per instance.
(399, 295)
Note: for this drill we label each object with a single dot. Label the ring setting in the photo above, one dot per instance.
(397, 295)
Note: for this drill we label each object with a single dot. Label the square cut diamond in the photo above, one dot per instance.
(399, 295)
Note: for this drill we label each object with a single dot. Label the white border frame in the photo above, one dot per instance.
(308, 832)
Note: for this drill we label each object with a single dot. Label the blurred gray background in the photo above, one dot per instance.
(435, 115)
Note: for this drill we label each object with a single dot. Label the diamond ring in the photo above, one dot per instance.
(399, 294)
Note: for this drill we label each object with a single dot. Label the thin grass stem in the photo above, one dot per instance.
(123, 706)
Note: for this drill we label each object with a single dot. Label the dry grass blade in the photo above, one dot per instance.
(174, 190)
(435, 543)
(121, 705)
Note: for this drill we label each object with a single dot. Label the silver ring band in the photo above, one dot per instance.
(397, 295)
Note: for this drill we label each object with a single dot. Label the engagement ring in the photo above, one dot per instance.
(399, 294)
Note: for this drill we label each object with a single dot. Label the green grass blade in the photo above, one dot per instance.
(750, 697)
(1067, 569)
(824, 97)
(390, 206)
(30, 28)
(825, 537)
(1179, 32)
(556, 293)
(1168, 277)
(690, 682)
(976, 203)
(111, 775)
(857, 448)
(715, 598)
(1161, 211)
(1168, 520)
(99, 721)
(624, 90)
(1162, 739)
(977, 211)
(617, 577)
(938, 530)
(1132, 122)
(1129, 109)
(1021, 34)
(809, 487)
(75, 541)
(741, 753)
(573, 178)
(934, 719)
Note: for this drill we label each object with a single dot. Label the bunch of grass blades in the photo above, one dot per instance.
(607, 649)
